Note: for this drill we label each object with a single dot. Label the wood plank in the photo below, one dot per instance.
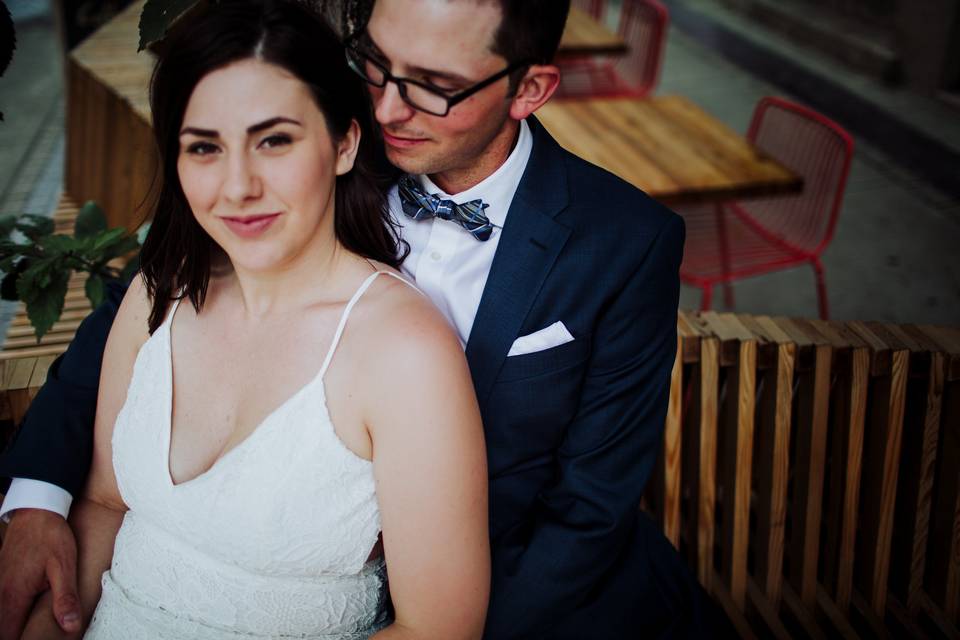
(881, 466)
(672, 452)
(813, 402)
(942, 576)
(15, 376)
(849, 416)
(736, 465)
(916, 483)
(705, 451)
(773, 462)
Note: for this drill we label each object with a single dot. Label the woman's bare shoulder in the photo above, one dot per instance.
(402, 317)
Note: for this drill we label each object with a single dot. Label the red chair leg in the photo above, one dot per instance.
(821, 289)
(724, 255)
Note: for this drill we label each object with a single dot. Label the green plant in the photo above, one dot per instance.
(37, 262)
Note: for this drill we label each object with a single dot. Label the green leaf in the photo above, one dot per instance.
(108, 238)
(34, 226)
(58, 244)
(37, 277)
(157, 16)
(95, 289)
(45, 307)
(90, 220)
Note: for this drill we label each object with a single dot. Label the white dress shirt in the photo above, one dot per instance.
(446, 262)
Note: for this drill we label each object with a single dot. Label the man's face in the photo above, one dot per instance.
(445, 44)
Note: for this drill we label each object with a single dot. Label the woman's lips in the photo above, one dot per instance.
(402, 143)
(250, 226)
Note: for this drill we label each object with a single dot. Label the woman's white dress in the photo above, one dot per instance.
(272, 541)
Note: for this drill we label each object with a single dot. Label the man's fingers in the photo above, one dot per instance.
(62, 573)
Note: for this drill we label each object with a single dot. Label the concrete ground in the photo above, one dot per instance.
(894, 256)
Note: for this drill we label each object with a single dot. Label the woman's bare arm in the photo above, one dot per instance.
(431, 477)
(96, 517)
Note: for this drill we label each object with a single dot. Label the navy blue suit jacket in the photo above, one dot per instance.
(572, 432)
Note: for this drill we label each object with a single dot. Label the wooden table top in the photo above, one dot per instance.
(668, 147)
(583, 35)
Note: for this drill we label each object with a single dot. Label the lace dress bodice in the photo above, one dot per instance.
(271, 541)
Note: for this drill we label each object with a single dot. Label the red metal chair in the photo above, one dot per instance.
(643, 26)
(735, 240)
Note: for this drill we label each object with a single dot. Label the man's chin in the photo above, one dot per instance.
(408, 162)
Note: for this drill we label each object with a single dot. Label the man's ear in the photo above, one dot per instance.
(536, 87)
(347, 148)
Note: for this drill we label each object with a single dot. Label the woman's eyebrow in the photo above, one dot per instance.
(266, 124)
(255, 128)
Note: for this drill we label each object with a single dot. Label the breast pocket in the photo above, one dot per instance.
(535, 396)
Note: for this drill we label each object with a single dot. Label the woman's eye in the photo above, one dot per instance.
(275, 140)
(202, 149)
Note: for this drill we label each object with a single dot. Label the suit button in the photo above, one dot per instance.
(435, 256)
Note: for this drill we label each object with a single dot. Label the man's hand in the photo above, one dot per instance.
(39, 552)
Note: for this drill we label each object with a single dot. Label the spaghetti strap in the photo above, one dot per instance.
(168, 321)
(346, 313)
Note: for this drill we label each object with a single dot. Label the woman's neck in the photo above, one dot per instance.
(316, 275)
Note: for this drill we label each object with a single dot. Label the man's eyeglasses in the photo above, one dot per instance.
(417, 94)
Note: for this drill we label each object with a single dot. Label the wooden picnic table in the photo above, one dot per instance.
(668, 147)
(583, 35)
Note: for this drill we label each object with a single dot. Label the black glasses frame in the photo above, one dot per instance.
(352, 46)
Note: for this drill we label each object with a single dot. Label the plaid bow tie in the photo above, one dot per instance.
(419, 205)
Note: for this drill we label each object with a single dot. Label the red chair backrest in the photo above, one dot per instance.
(643, 26)
(813, 146)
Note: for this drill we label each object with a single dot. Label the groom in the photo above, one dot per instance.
(562, 282)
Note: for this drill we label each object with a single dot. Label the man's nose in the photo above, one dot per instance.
(242, 182)
(390, 107)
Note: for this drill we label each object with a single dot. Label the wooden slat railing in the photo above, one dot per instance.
(811, 474)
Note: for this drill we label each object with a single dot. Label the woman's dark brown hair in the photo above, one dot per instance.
(176, 256)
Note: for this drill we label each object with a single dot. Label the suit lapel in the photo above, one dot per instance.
(531, 241)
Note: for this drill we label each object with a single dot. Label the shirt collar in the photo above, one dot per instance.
(499, 187)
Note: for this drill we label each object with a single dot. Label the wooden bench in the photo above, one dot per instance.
(811, 474)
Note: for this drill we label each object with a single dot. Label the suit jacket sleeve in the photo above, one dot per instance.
(55, 442)
(582, 522)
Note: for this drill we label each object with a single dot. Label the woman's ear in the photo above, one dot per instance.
(347, 148)
(536, 87)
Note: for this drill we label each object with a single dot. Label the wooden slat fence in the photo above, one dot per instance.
(811, 474)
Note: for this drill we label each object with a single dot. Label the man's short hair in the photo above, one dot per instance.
(530, 29)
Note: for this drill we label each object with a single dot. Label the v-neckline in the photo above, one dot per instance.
(167, 327)
(168, 445)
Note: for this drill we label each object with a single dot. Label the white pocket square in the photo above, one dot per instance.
(552, 336)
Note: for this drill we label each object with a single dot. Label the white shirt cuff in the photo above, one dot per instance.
(35, 494)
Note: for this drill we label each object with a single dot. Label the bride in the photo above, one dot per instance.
(280, 415)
